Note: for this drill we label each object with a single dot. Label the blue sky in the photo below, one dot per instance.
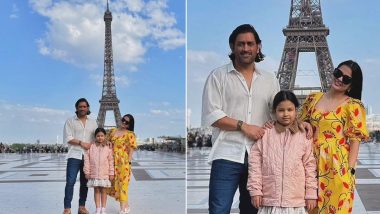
(354, 31)
(51, 54)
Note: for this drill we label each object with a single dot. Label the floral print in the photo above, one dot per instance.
(333, 132)
(121, 148)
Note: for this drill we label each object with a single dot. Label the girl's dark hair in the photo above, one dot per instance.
(79, 101)
(131, 126)
(283, 96)
(100, 129)
(245, 28)
(355, 90)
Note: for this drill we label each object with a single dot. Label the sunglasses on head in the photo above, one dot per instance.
(125, 121)
(345, 80)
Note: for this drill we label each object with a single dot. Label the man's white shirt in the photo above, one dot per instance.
(226, 93)
(74, 129)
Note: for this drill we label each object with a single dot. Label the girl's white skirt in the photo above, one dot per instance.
(282, 210)
(98, 183)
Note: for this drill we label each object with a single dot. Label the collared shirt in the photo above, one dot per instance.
(226, 94)
(74, 129)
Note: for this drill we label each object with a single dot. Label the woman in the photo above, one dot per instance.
(123, 141)
(338, 120)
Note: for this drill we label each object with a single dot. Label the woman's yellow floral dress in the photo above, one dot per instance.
(121, 147)
(333, 132)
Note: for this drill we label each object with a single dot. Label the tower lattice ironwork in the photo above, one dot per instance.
(305, 33)
(109, 100)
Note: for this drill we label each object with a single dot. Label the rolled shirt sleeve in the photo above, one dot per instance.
(212, 101)
(68, 134)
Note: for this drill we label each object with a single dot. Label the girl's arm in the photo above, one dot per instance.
(86, 167)
(310, 166)
(111, 163)
(254, 184)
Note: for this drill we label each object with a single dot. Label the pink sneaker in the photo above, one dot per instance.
(103, 211)
(125, 211)
(98, 210)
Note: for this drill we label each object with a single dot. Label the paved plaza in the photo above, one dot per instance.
(367, 196)
(34, 183)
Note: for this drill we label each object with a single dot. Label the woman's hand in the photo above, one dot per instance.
(257, 201)
(309, 129)
(87, 177)
(112, 177)
(311, 204)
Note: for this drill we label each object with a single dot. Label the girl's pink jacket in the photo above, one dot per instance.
(99, 162)
(282, 168)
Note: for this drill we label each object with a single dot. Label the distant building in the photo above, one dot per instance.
(201, 130)
(373, 122)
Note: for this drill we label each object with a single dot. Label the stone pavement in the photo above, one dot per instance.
(367, 196)
(35, 183)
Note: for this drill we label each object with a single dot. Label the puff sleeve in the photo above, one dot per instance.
(307, 107)
(355, 128)
(132, 140)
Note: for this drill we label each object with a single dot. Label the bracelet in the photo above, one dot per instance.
(239, 124)
(351, 170)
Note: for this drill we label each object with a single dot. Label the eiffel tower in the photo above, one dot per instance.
(109, 100)
(305, 33)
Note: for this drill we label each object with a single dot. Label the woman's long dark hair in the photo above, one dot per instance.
(357, 79)
(131, 126)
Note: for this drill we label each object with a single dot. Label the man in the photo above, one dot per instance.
(78, 133)
(237, 99)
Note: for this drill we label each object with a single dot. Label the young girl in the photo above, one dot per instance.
(282, 168)
(99, 169)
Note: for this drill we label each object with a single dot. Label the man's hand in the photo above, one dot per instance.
(252, 132)
(310, 204)
(85, 145)
(257, 201)
(269, 124)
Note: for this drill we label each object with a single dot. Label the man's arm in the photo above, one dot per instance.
(229, 124)
(68, 136)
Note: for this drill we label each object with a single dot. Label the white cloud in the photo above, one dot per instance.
(75, 31)
(168, 112)
(15, 12)
(24, 123)
(135, 5)
(122, 80)
(165, 103)
(13, 16)
(23, 112)
(159, 112)
(160, 104)
(200, 64)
